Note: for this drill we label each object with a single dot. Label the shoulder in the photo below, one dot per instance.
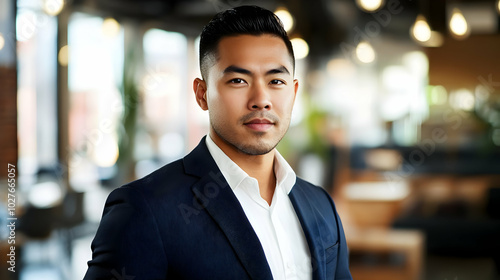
(170, 181)
(310, 189)
(169, 171)
(318, 197)
(166, 177)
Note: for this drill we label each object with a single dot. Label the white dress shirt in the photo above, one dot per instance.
(276, 225)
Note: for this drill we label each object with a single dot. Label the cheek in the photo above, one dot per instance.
(229, 99)
(224, 106)
(285, 104)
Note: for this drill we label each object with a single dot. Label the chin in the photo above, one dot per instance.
(256, 149)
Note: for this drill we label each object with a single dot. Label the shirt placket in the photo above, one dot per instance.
(287, 257)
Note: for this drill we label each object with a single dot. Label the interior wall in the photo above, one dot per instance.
(466, 63)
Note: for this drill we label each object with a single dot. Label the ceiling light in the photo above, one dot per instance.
(300, 48)
(365, 52)
(370, 5)
(458, 24)
(421, 30)
(286, 18)
(110, 27)
(53, 7)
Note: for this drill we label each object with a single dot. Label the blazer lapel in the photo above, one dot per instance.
(213, 192)
(308, 220)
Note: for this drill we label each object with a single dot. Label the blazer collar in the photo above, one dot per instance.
(308, 220)
(216, 196)
(213, 192)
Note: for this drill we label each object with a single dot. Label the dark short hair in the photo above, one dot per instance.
(243, 20)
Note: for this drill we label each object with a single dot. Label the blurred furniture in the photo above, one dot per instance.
(375, 204)
(376, 250)
(442, 160)
(405, 244)
(459, 215)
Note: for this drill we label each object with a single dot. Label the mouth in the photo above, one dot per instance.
(259, 124)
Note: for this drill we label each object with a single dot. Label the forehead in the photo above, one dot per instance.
(257, 52)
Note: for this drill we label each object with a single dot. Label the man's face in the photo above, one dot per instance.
(249, 93)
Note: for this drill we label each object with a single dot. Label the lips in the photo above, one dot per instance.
(259, 124)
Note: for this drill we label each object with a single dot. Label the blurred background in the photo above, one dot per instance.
(397, 116)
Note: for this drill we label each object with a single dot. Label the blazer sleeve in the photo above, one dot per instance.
(127, 244)
(342, 271)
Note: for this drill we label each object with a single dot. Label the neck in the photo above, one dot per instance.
(260, 167)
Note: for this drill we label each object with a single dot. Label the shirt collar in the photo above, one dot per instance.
(234, 175)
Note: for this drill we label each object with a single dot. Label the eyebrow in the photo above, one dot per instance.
(235, 69)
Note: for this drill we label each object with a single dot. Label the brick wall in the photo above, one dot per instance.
(8, 119)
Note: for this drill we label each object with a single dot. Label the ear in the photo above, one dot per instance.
(295, 87)
(200, 92)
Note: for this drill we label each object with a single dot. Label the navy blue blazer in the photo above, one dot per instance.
(184, 222)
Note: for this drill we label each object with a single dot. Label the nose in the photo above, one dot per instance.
(259, 98)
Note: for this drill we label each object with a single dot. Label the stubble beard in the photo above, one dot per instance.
(260, 147)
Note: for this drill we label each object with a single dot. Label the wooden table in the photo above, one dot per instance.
(409, 243)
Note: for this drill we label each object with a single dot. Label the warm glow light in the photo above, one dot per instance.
(458, 24)
(436, 40)
(438, 95)
(498, 6)
(421, 30)
(365, 52)
(462, 99)
(45, 195)
(106, 152)
(370, 5)
(53, 7)
(300, 48)
(286, 18)
(416, 63)
(340, 67)
(2, 41)
(110, 27)
(372, 191)
(395, 106)
(63, 56)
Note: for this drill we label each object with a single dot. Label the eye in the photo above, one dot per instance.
(277, 82)
(237, 81)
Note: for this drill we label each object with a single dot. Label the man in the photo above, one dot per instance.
(232, 208)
